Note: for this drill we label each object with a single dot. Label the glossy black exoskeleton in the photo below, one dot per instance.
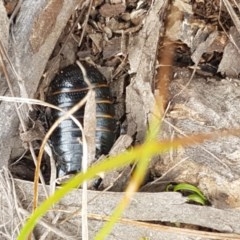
(67, 89)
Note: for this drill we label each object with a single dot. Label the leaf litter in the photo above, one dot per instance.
(124, 39)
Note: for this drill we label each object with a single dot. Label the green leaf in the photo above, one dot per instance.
(196, 198)
(189, 187)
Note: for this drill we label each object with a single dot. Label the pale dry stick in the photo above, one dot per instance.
(169, 170)
(85, 76)
(54, 221)
(3, 54)
(13, 191)
(53, 169)
(7, 178)
(85, 23)
(85, 166)
(167, 229)
(237, 4)
(18, 204)
(120, 66)
(41, 103)
(233, 15)
(130, 30)
(226, 33)
(5, 210)
(13, 15)
(3, 226)
(19, 159)
(38, 102)
(49, 226)
(171, 150)
(195, 67)
(84, 196)
(203, 148)
(6, 236)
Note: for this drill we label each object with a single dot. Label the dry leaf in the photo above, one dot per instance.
(45, 23)
(122, 143)
(231, 56)
(203, 47)
(142, 52)
(117, 180)
(112, 10)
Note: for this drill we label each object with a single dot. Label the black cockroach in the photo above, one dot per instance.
(67, 89)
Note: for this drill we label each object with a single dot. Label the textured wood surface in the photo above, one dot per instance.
(145, 207)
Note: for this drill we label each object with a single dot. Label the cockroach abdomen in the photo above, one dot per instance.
(66, 90)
